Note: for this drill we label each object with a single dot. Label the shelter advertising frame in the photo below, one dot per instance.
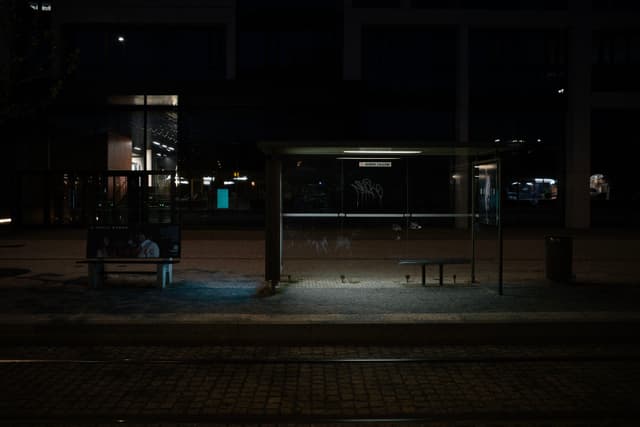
(486, 208)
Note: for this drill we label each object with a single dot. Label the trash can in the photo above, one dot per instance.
(558, 258)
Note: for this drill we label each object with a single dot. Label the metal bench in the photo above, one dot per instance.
(97, 271)
(433, 261)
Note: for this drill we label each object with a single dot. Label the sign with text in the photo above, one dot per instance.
(374, 164)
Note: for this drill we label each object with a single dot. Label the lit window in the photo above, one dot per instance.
(223, 198)
(34, 5)
(171, 100)
(46, 6)
(599, 186)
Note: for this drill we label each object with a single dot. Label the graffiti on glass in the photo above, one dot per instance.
(367, 190)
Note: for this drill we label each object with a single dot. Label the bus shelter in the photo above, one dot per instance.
(381, 201)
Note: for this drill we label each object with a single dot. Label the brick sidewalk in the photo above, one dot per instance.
(447, 390)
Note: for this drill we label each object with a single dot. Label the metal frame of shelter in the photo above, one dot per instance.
(275, 151)
(487, 187)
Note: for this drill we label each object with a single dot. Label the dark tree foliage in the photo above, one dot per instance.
(28, 81)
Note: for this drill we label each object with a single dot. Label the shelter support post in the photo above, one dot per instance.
(472, 223)
(273, 223)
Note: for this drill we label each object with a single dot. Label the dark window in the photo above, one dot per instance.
(410, 59)
(517, 62)
(616, 48)
(616, 60)
(616, 5)
(289, 40)
(404, 123)
(148, 54)
(295, 54)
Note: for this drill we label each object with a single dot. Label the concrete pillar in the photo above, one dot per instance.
(578, 145)
(273, 220)
(461, 171)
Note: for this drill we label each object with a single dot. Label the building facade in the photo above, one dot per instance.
(165, 109)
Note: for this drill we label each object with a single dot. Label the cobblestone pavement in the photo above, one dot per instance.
(453, 385)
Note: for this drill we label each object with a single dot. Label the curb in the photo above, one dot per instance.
(316, 333)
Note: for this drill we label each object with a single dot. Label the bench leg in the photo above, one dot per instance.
(424, 275)
(164, 275)
(96, 274)
(441, 268)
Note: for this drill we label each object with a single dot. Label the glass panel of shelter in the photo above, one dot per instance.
(354, 212)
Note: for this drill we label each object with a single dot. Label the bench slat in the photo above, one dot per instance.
(435, 261)
(129, 261)
(440, 262)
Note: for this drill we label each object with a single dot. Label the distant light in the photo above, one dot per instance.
(5, 220)
(368, 158)
(561, 90)
(137, 148)
(496, 140)
(164, 145)
(240, 178)
(319, 182)
(543, 180)
(158, 154)
(170, 148)
(46, 7)
(155, 142)
(228, 182)
(539, 140)
(121, 39)
(486, 167)
(253, 183)
(33, 5)
(382, 152)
